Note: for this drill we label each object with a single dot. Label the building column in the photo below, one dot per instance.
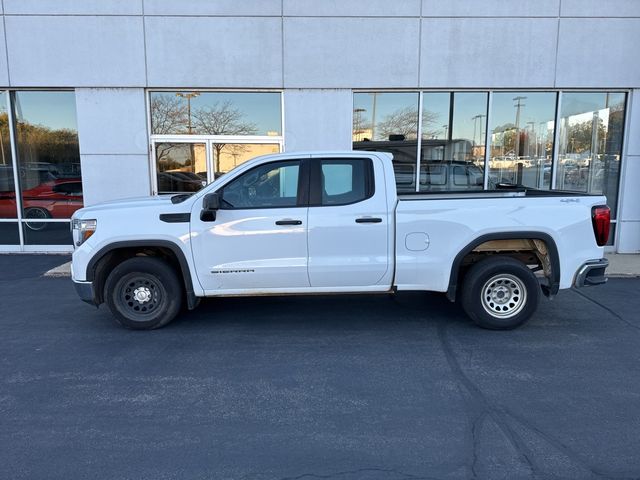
(629, 214)
(317, 119)
(112, 131)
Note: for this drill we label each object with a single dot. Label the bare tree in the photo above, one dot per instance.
(168, 115)
(222, 119)
(405, 122)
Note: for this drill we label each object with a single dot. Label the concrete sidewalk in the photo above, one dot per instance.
(620, 265)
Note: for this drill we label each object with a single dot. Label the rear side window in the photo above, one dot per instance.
(344, 181)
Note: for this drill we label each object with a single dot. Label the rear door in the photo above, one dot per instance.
(348, 223)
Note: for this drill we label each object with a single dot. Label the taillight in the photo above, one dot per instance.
(601, 219)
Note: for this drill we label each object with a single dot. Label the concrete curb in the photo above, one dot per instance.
(63, 270)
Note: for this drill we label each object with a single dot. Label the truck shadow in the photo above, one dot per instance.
(345, 311)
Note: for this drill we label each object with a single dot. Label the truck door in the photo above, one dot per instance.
(348, 223)
(258, 239)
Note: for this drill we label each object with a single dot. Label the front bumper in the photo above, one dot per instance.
(592, 272)
(86, 292)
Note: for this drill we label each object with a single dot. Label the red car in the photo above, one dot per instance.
(52, 199)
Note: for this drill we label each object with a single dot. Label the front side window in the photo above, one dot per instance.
(273, 185)
(347, 181)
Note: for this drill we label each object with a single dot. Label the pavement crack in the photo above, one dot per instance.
(403, 475)
(616, 315)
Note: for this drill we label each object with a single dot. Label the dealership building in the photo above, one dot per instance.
(108, 99)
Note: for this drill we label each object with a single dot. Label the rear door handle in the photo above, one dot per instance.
(368, 220)
(288, 222)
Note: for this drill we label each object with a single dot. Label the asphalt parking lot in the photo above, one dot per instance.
(350, 387)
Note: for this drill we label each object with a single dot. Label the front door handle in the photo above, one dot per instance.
(288, 222)
(368, 220)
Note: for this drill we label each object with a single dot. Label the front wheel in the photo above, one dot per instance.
(500, 293)
(143, 293)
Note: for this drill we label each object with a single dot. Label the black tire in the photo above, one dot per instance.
(500, 293)
(143, 293)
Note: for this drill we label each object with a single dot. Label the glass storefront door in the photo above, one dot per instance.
(181, 166)
(187, 166)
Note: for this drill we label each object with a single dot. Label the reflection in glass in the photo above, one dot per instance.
(389, 122)
(9, 234)
(227, 156)
(182, 167)
(216, 113)
(7, 185)
(590, 144)
(436, 109)
(55, 233)
(48, 155)
(453, 138)
(522, 133)
(268, 185)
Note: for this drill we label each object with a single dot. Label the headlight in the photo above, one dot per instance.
(82, 230)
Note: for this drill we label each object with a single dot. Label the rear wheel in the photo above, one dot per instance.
(143, 293)
(500, 293)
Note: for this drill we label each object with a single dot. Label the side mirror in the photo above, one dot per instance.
(210, 205)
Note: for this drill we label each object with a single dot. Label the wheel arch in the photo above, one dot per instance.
(554, 260)
(110, 255)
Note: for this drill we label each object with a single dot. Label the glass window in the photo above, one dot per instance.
(453, 138)
(47, 233)
(272, 185)
(216, 113)
(182, 167)
(590, 144)
(9, 234)
(48, 154)
(389, 122)
(227, 156)
(345, 181)
(7, 185)
(522, 134)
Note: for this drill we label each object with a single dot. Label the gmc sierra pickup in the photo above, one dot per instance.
(332, 222)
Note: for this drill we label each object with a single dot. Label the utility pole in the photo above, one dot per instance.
(357, 120)
(188, 96)
(518, 106)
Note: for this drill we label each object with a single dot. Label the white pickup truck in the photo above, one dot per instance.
(332, 222)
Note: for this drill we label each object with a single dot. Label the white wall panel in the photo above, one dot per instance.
(75, 51)
(488, 52)
(350, 52)
(633, 138)
(209, 7)
(4, 71)
(214, 51)
(112, 121)
(490, 8)
(630, 206)
(317, 119)
(352, 8)
(629, 237)
(600, 8)
(598, 53)
(73, 7)
(110, 177)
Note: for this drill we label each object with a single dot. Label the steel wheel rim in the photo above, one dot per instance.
(140, 297)
(503, 296)
(36, 214)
